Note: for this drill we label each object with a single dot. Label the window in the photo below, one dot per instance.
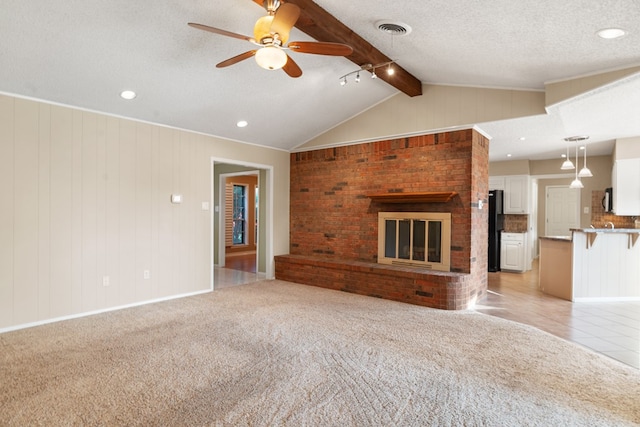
(239, 214)
(415, 239)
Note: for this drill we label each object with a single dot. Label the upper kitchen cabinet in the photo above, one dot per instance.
(625, 177)
(496, 183)
(626, 187)
(516, 192)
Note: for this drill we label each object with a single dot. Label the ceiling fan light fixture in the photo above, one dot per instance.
(271, 58)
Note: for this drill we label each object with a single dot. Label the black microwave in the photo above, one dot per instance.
(607, 200)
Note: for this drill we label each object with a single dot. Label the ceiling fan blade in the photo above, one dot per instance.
(284, 20)
(321, 48)
(291, 68)
(219, 31)
(236, 59)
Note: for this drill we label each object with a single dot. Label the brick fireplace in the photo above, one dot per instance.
(335, 200)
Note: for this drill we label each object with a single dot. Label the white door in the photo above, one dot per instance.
(562, 210)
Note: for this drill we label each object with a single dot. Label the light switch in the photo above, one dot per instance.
(176, 198)
(205, 206)
(586, 209)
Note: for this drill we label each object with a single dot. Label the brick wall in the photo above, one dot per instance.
(332, 217)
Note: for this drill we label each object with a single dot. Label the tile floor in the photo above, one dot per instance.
(610, 328)
(226, 277)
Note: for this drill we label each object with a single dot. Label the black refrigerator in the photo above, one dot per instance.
(496, 225)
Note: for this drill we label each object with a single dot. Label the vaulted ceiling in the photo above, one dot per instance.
(83, 53)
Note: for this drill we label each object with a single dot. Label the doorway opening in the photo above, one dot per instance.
(242, 224)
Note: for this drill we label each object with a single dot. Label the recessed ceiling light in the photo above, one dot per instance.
(564, 156)
(242, 123)
(522, 138)
(611, 33)
(128, 94)
(508, 155)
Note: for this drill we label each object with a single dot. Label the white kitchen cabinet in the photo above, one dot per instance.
(512, 251)
(626, 187)
(516, 194)
(496, 183)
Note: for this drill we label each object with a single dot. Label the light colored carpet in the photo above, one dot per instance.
(276, 353)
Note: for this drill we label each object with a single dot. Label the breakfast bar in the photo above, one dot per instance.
(592, 265)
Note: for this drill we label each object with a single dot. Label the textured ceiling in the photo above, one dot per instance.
(83, 53)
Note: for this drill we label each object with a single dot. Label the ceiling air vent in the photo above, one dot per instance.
(393, 28)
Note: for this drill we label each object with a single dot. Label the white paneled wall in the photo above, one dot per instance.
(607, 269)
(85, 195)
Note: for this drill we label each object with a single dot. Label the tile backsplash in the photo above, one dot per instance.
(515, 223)
(599, 217)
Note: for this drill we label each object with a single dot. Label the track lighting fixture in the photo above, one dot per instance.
(372, 69)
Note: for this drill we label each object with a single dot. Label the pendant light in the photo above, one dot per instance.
(585, 172)
(576, 183)
(567, 165)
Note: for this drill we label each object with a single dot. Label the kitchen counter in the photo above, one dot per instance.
(606, 230)
(559, 238)
(554, 265)
(594, 264)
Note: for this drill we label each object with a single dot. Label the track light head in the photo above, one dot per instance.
(390, 70)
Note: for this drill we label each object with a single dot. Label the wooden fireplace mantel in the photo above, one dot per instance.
(423, 197)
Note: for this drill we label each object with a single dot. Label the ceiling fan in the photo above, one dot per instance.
(270, 34)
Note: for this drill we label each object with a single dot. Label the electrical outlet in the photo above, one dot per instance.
(105, 280)
(146, 274)
(586, 209)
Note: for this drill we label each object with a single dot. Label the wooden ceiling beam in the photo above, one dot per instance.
(322, 26)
